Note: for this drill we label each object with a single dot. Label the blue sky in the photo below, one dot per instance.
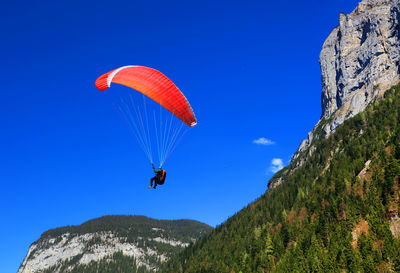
(249, 68)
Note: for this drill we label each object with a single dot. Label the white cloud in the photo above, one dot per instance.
(263, 141)
(276, 165)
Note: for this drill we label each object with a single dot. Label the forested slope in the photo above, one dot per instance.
(337, 212)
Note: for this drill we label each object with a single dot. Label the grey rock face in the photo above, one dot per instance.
(54, 252)
(359, 61)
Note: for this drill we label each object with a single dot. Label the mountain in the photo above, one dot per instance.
(111, 244)
(336, 207)
(337, 212)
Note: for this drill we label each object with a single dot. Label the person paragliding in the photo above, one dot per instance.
(159, 178)
(159, 124)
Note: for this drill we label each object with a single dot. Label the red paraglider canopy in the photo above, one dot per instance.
(153, 84)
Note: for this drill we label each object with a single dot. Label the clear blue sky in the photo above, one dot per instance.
(249, 68)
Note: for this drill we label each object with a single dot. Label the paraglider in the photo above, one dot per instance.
(156, 133)
(159, 178)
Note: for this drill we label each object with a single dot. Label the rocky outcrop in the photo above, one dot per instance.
(64, 248)
(359, 61)
(394, 225)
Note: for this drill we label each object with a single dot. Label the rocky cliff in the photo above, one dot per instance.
(148, 242)
(359, 61)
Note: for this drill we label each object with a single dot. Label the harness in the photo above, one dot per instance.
(163, 175)
(161, 178)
